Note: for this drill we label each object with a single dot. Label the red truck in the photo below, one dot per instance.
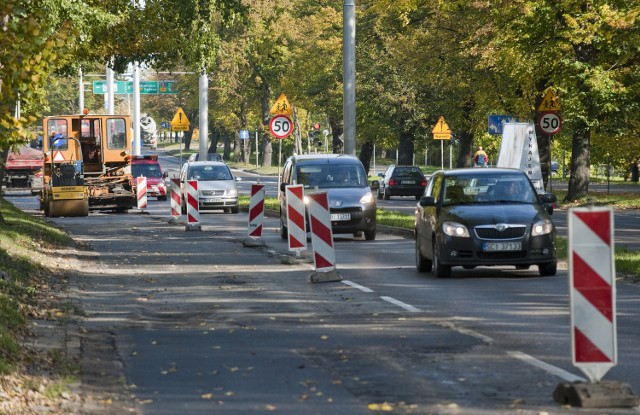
(149, 167)
(23, 169)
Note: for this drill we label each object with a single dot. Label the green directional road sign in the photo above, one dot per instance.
(126, 87)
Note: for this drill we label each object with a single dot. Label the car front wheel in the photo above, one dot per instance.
(422, 264)
(441, 271)
(548, 270)
(370, 235)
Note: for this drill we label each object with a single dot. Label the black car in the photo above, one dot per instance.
(402, 181)
(484, 217)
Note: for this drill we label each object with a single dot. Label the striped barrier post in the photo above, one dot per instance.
(174, 187)
(193, 208)
(592, 278)
(141, 190)
(296, 222)
(324, 254)
(593, 312)
(256, 210)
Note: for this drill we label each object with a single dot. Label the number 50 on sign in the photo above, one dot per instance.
(550, 122)
(280, 126)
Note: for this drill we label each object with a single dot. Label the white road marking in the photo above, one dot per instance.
(400, 304)
(358, 286)
(561, 373)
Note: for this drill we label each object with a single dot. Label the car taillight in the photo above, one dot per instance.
(423, 183)
(392, 182)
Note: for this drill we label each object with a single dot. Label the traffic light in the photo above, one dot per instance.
(314, 135)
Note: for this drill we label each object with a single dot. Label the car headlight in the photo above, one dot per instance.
(455, 229)
(305, 200)
(367, 199)
(542, 227)
(232, 192)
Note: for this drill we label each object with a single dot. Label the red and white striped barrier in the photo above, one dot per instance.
(296, 223)
(174, 188)
(256, 210)
(593, 291)
(324, 253)
(193, 208)
(141, 190)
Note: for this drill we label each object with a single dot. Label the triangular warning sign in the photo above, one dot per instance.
(282, 106)
(441, 130)
(180, 122)
(58, 156)
(549, 102)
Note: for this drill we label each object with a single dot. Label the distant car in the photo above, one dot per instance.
(216, 186)
(468, 219)
(149, 167)
(402, 181)
(352, 206)
(210, 157)
(554, 167)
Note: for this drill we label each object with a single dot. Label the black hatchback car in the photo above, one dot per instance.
(402, 181)
(484, 217)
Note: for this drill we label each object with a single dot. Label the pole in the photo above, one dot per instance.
(257, 152)
(349, 75)
(110, 109)
(441, 155)
(450, 156)
(279, 163)
(374, 159)
(204, 114)
(80, 92)
(136, 110)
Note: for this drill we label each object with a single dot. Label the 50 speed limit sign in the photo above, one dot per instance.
(550, 123)
(281, 126)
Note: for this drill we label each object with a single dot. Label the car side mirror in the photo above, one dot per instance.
(381, 175)
(549, 200)
(283, 187)
(427, 201)
(375, 185)
(165, 175)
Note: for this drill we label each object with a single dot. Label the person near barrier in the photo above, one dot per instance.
(480, 158)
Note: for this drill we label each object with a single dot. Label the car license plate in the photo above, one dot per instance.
(502, 246)
(407, 181)
(340, 216)
(212, 200)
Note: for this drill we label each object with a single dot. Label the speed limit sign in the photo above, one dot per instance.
(281, 126)
(550, 122)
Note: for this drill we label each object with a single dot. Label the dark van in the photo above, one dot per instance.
(351, 203)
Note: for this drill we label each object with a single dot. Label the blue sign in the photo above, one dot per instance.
(165, 124)
(496, 122)
(244, 134)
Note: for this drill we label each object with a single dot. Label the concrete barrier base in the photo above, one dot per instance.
(192, 227)
(330, 276)
(250, 242)
(603, 394)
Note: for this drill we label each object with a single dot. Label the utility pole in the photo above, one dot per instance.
(349, 75)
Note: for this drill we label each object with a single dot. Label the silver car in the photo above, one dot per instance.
(216, 186)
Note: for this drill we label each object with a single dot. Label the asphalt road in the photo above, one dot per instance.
(198, 323)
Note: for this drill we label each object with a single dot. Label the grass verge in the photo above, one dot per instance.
(25, 278)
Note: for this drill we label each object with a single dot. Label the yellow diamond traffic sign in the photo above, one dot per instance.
(281, 106)
(549, 102)
(180, 122)
(441, 130)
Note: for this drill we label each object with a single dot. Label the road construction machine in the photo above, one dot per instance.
(87, 156)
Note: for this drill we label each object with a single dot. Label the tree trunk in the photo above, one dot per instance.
(465, 149)
(366, 151)
(580, 163)
(336, 142)
(405, 148)
(3, 159)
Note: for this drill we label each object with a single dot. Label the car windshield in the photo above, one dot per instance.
(411, 172)
(209, 173)
(146, 170)
(331, 175)
(498, 188)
